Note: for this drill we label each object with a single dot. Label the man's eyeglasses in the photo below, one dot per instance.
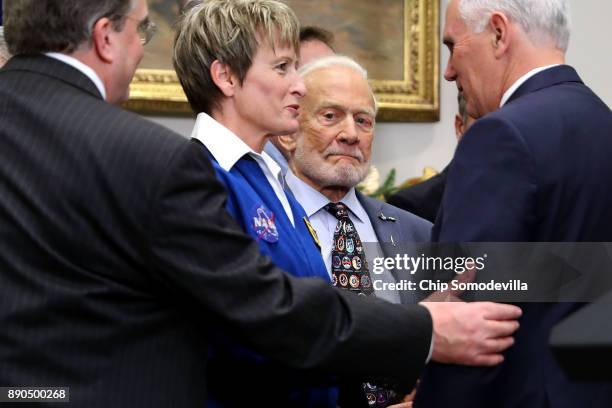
(146, 29)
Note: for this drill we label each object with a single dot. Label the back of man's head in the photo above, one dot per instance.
(39, 26)
(314, 33)
(544, 21)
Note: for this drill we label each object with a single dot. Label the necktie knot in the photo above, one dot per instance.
(338, 210)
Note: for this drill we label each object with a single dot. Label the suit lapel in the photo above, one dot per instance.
(384, 229)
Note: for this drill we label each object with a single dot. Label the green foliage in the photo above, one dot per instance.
(387, 188)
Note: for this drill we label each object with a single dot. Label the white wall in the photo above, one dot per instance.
(408, 147)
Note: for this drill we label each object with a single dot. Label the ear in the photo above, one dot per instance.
(102, 38)
(223, 77)
(287, 143)
(458, 126)
(500, 27)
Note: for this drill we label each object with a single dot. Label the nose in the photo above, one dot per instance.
(449, 73)
(349, 133)
(298, 88)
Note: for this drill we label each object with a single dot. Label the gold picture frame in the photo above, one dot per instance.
(412, 95)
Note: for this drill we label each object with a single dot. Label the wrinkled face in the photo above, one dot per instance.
(268, 102)
(334, 144)
(471, 64)
(130, 52)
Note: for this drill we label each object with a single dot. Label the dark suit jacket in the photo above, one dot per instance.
(422, 199)
(537, 169)
(117, 258)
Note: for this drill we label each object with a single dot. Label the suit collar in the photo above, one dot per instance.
(84, 68)
(547, 78)
(50, 67)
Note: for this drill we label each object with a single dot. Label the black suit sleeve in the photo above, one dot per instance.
(198, 252)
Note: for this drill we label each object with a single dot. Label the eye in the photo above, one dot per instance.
(282, 67)
(364, 121)
(329, 115)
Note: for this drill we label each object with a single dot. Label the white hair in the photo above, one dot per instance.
(542, 20)
(337, 61)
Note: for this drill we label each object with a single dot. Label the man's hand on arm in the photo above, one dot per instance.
(472, 334)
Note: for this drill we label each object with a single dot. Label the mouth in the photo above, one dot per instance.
(294, 109)
(345, 156)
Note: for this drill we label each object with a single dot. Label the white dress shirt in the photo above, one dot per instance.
(85, 69)
(520, 82)
(227, 149)
(325, 223)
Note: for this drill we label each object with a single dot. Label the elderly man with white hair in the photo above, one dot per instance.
(534, 167)
(328, 157)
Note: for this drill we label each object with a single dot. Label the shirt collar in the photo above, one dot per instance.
(225, 146)
(506, 96)
(313, 201)
(85, 69)
(277, 156)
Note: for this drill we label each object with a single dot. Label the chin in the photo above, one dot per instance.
(289, 128)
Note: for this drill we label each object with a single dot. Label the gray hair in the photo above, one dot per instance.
(542, 20)
(338, 61)
(39, 26)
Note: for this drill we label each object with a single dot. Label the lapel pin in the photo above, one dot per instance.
(385, 218)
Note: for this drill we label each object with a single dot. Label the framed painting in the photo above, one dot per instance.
(397, 41)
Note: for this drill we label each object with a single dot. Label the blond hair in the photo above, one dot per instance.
(229, 31)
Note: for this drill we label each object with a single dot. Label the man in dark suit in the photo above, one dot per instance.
(117, 257)
(424, 199)
(534, 167)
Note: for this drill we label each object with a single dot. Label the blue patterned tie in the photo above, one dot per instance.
(350, 272)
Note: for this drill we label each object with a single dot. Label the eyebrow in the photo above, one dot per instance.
(284, 58)
(335, 105)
